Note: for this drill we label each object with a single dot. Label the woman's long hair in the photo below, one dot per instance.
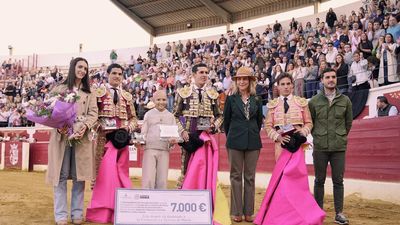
(70, 81)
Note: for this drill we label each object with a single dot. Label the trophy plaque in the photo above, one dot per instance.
(203, 123)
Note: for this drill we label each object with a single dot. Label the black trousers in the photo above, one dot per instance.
(337, 162)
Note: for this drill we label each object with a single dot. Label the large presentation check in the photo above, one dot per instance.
(155, 207)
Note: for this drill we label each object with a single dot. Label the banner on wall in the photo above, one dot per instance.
(14, 155)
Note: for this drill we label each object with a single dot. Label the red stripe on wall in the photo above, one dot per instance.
(373, 151)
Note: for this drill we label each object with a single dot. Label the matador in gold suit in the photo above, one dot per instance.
(190, 107)
(120, 114)
(298, 115)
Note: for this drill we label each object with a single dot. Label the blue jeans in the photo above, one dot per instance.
(68, 169)
(170, 103)
(311, 88)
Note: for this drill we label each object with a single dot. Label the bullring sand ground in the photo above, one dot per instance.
(26, 199)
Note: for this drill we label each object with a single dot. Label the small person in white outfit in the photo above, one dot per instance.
(156, 151)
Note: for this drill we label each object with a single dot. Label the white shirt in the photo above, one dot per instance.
(288, 97)
(112, 90)
(331, 56)
(299, 73)
(227, 83)
(359, 70)
(4, 116)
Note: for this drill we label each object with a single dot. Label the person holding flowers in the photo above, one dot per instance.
(74, 160)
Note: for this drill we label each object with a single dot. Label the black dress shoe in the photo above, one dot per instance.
(341, 219)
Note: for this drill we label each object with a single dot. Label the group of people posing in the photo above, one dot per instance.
(102, 155)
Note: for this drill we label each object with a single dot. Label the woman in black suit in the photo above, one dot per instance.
(242, 123)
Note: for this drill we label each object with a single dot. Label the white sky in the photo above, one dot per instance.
(58, 26)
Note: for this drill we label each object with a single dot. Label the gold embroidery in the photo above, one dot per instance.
(272, 103)
(100, 92)
(185, 92)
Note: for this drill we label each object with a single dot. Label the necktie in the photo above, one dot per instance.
(115, 100)
(285, 104)
(200, 96)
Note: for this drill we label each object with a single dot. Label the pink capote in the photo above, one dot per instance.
(113, 174)
(288, 200)
(202, 171)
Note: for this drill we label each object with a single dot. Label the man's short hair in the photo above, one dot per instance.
(284, 75)
(114, 65)
(383, 99)
(327, 70)
(196, 67)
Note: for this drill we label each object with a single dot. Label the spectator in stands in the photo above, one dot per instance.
(331, 18)
(311, 78)
(275, 73)
(293, 24)
(359, 73)
(342, 71)
(168, 49)
(4, 115)
(384, 108)
(299, 73)
(394, 28)
(15, 118)
(365, 46)
(388, 62)
(170, 91)
(348, 54)
(331, 54)
(318, 53)
(277, 27)
(113, 56)
(229, 52)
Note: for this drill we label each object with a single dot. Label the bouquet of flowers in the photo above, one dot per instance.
(58, 111)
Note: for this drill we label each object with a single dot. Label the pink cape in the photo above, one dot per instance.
(202, 175)
(288, 200)
(113, 174)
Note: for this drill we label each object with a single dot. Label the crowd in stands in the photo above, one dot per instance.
(363, 48)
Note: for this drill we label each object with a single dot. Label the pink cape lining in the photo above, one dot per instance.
(113, 174)
(288, 200)
(203, 168)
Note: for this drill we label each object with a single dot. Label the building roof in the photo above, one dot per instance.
(160, 17)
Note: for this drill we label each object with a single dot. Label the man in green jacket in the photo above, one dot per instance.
(332, 117)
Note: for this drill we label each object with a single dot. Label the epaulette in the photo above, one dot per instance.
(212, 93)
(126, 95)
(300, 101)
(100, 92)
(272, 103)
(185, 92)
